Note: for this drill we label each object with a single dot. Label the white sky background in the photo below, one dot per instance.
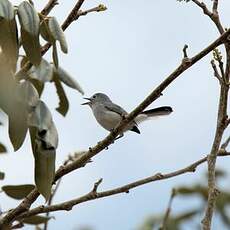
(126, 52)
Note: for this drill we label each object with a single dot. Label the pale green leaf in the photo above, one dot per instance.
(6, 10)
(25, 98)
(63, 100)
(45, 31)
(18, 191)
(35, 220)
(67, 79)
(55, 55)
(44, 164)
(43, 72)
(29, 21)
(57, 33)
(29, 18)
(9, 44)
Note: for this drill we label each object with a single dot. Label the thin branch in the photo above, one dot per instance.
(168, 210)
(50, 202)
(216, 73)
(226, 143)
(203, 7)
(221, 118)
(99, 8)
(49, 6)
(68, 205)
(63, 170)
(214, 16)
(215, 6)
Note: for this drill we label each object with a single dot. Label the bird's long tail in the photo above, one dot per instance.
(153, 113)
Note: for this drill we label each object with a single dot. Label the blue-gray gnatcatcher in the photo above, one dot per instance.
(109, 115)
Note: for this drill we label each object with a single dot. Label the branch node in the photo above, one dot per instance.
(159, 176)
(96, 185)
(216, 73)
(216, 192)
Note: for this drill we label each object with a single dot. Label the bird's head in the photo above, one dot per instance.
(96, 98)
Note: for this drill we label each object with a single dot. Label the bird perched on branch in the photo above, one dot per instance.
(109, 115)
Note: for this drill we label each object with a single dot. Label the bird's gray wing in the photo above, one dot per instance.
(115, 108)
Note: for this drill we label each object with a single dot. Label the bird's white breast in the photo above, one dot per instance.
(107, 119)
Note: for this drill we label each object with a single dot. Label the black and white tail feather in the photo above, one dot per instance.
(151, 114)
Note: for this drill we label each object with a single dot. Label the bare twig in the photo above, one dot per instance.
(215, 7)
(226, 143)
(96, 185)
(63, 170)
(68, 205)
(212, 15)
(49, 6)
(185, 51)
(94, 9)
(222, 114)
(168, 210)
(51, 200)
(216, 73)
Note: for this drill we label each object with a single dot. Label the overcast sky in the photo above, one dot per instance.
(126, 52)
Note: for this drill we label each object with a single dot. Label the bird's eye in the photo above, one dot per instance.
(94, 96)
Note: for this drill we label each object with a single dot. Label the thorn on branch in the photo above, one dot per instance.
(96, 185)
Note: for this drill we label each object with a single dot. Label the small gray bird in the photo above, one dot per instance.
(109, 115)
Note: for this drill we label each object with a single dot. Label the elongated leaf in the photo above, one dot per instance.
(8, 31)
(2, 175)
(44, 139)
(29, 21)
(44, 168)
(45, 31)
(6, 10)
(67, 79)
(58, 33)
(25, 98)
(2, 148)
(63, 100)
(42, 72)
(29, 18)
(18, 191)
(18, 125)
(35, 220)
(55, 55)
(31, 46)
(41, 117)
(38, 85)
(28, 94)
(44, 164)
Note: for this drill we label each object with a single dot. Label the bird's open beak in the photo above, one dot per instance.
(88, 102)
